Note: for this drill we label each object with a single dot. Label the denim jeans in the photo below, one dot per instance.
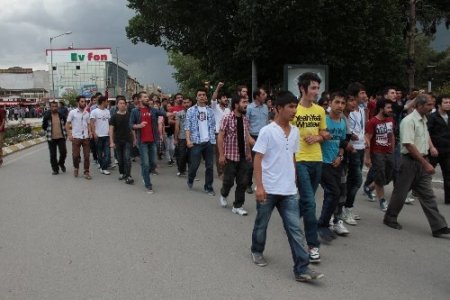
(331, 183)
(123, 150)
(289, 212)
(308, 176)
(182, 155)
(235, 170)
(103, 152)
(148, 153)
(205, 150)
(354, 178)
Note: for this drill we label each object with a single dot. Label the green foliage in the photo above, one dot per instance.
(358, 40)
(70, 98)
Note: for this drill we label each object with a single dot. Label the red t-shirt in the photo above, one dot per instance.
(147, 131)
(2, 118)
(177, 108)
(372, 107)
(381, 131)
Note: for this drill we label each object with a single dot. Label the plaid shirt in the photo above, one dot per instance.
(47, 125)
(191, 124)
(230, 137)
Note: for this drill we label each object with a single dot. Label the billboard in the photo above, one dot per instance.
(79, 55)
(88, 90)
(292, 72)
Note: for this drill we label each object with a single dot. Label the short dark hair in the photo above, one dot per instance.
(381, 104)
(240, 87)
(236, 100)
(283, 98)
(200, 90)
(80, 97)
(338, 94)
(222, 94)
(440, 98)
(141, 93)
(386, 89)
(93, 97)
(134, 96)
(178, 94)
(257, 93)
(101, 99)
(98, 94)
(305, 80)
(120, 97)
(354, 88)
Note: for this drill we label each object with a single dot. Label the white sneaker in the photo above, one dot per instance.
(348, 216)
(410, 200)
(106, 172)
(340, 229)
(223, 201)
(240, 211)
(314, 255)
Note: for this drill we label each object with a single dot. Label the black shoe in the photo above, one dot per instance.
(63, 168)
(55, 173)
(392, 224)
(129, 180)
(249, 190)
(438, 233)
(122, 177)
(325, 234)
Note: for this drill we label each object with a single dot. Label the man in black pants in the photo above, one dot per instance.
(439, 129)
(54, 124)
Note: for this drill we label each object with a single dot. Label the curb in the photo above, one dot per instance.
(24, 145)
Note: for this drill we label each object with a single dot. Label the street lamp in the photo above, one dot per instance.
(51, 59)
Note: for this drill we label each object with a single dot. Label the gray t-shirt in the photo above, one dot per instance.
(181, 117)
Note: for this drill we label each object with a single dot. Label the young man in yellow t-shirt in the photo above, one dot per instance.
(311, 122)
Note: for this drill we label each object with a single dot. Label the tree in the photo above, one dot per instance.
(70, 98)
(357, 39)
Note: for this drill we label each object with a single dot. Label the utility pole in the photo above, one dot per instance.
(411, 36)
(117, 71)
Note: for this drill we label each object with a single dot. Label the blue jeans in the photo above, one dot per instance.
(205, 150)
(123, 150)
(354, 177)
(148, 154)
(308, 177)
(289, 212)
(103, 152)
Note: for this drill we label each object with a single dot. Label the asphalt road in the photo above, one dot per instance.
(68, 238)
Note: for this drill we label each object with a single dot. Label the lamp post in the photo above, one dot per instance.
(117, 71)
(51, 59)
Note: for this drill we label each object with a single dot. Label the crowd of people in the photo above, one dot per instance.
(279, 149)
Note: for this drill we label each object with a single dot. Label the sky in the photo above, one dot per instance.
(27, 25)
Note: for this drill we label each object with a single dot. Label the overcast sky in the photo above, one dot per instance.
(27, 25)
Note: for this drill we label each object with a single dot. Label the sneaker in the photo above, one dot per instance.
(410, 200)
(314, 256)
(63, 168)
(170, 163)
(339, 228)
(179, 174)
(347, 216)
(129, 180)
(439, 232)
(115, 161)
(150, 191)
(325, 234)
(87, 176)
(210, 192)
(55, 172)
(240, 211)
(369, 193)
(190, 184)
(249, 190)
(383, 205)
(308, 275)
(223, 201)
(75, 172)
(356, 216)
(105, 172)
(259, 260)
(113, 166)
(154, 172)
(122, 177)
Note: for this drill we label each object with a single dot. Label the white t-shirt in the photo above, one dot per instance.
(357, 126)
(219, 113)
(203, 124)
(101, 117)
(80, 122)
(278, 170)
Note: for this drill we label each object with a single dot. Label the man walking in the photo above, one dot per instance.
(258, 116)
(54, 124)
(144, 120)
(275, 186)
(180, 138)
(121, 139)
(200, 139)
(79, 133)
(235, 154)
(416, 170)
(379, 154)
(439, 129)
(311, 123)
(100, 131)
(219, 104)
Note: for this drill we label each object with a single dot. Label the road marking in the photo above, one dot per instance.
(9, 161)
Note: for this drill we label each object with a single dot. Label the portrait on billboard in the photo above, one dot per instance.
(293, 72)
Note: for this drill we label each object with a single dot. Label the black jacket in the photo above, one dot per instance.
(439, 133)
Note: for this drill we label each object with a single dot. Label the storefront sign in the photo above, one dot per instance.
(79, 55)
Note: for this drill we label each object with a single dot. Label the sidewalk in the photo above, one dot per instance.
(34, 122)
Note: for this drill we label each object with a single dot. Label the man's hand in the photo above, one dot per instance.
(368, 162)
(70, 137)
(434, 152)
(354, 137)
(189, 144)
(112, 145)
(429, 168)
(220, 85)
(337, 162)
(312, 139)
(175, 141)
(260, 194)
(222, 160)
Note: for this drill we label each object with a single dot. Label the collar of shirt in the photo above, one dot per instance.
(415, 114)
